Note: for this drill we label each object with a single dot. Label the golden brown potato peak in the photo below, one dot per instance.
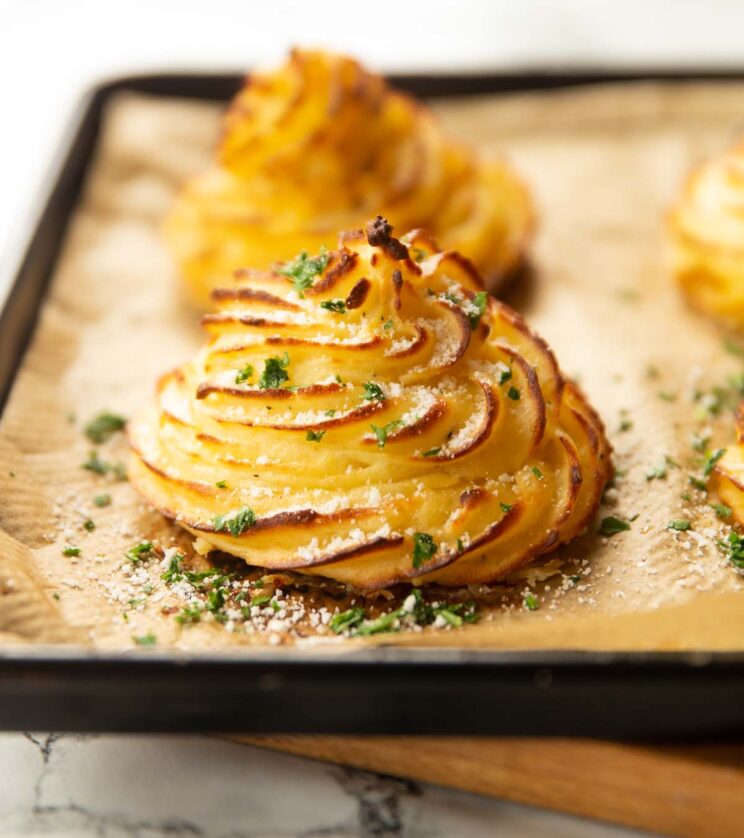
(321, 145)
(371, 415)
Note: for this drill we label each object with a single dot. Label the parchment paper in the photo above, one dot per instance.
(604, 164)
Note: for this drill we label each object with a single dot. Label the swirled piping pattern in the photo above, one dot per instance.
(388, 423)
(321, 145)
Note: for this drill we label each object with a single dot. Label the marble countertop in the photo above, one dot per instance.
(152, 786)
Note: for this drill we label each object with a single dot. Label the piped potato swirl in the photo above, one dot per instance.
(707, 230)
(320, 145)
(371, 415)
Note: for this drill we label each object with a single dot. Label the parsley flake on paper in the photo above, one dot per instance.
(103, 426)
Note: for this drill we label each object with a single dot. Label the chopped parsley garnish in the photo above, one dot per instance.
(679, 524)
(423, 613)
(303, 269)
(102, 500)
(71, 551)
(89, 525)
(373, 392)
(722, 510)
(418, 254)
(338, 306)
(505, 374)
(236, 522)
(383, 623)
(667, 396)
(140, 552)
(432, 452)
(346, 620)
(98, 466)
(513, 394)
(314, 436)
(382, 432)
(243, 375)
(148, 639)
(259, 601)
(450, 616)
(699, 442)
(506, 507)
(387, 325)
(536, 471)
(173, 573)
(658, 472)
(103, 426)
(625, 425)
(221, 484)
(698, 483)
(454, 613)
(95, 465)
(721, 396)
(711, 459)
(424, 547)
(479, 301)
(213, 575)
(189, 614)
(274, 373)
(733, 348)
(611, 525)
(531, 602)
(733, 546)
(216, 602)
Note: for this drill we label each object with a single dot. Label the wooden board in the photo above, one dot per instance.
(695, 790)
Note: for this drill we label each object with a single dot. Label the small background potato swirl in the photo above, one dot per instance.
(320, 145)
(707, 228)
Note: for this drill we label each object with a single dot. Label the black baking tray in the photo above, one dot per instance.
(372, 691)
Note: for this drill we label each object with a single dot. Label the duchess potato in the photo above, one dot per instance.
(707, 231)
(372, 416)
(321, 145)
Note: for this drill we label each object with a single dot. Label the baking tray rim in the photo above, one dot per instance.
(67, 175)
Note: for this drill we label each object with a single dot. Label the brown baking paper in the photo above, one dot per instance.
(603, 164)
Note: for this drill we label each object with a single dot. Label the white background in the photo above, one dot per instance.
(52, 51)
